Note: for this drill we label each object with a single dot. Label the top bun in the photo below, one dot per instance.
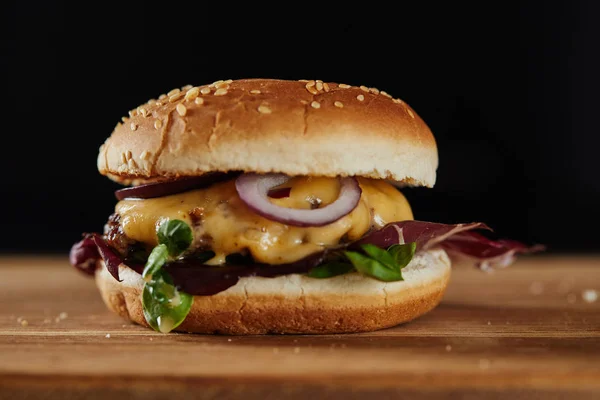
(266, 125)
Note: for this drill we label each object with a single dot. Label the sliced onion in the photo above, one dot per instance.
(172, 187)
(253, 189)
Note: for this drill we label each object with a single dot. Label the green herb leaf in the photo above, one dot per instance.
(333, 268)
(372, 267)
(379, 254)
(164, 306)
(157, 258)
(176, 235)
(402, 253)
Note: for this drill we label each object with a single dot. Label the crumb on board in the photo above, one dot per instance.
(63, 315)
(107, 336)
(448, 347)
(24, 322)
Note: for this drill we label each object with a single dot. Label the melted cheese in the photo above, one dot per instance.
(233, 227)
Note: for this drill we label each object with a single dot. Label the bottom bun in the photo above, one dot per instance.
(296, 303)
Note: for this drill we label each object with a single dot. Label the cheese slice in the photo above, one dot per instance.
(218, 217)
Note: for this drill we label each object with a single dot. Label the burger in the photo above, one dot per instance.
(270, 206)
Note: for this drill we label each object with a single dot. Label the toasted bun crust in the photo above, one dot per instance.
(296, 303)
(266, 125)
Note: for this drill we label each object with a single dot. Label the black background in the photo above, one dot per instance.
(511, 92)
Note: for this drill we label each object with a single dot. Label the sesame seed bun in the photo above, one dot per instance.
(296, 303)
(266, 125)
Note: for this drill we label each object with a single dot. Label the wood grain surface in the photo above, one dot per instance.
(523, 332)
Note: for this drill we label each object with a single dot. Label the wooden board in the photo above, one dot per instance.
(523, 332)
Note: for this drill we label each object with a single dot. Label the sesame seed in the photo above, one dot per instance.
(222, 85)
(326, 87)
(264, 109)
(157, 124)
(215, 83)
(173, 98)
(338, 104)
(409, 111)
(159, 103)
(302, 80)
(220, 92)
(132, 164)
(128, 155)
(360, 97)
(132, 113)
(199, 100)
(133, 126)
(397, 101)
(312, 90)
(344, 86)
(386, 94)
(589, 295)
(303, 101)
(123, 158)
(319, 86)
(315, 104)
(107, 336)
(255, 91)
(162, 97)
(143, 111)
(124, 119)
(173, 92)
(229, 81)
(364, 89)
(145, 154)
(205, 90)
(319, 81)
(192, 93)
(181, 109)
(310, 84)
(374, 90)
(187, 87)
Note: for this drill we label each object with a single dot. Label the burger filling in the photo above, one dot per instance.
(223, 224)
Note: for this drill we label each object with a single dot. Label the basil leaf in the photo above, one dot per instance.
(156, 259)
(176, 235)
(379, 254)
(164, 306)
(333, 268)
(373, 268)
(402, 253)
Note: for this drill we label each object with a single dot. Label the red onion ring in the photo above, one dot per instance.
(253, 189)
(161, 189)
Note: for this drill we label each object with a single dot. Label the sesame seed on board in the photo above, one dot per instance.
(263, 109)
